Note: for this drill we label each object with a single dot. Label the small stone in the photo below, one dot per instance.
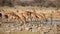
(39, 28)
(27, 28)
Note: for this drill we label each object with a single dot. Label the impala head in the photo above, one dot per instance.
(28, 12)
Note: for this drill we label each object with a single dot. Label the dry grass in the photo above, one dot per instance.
(19, 32)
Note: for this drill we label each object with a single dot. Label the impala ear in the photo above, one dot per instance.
(0, 14)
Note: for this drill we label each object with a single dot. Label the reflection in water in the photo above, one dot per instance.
(46, 22)
(53, 22)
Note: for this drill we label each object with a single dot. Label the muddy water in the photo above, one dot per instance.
(53, 22)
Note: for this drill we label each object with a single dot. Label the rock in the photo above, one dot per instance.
(27, 28)
(13, 29)
(33, 30)
(39, 28)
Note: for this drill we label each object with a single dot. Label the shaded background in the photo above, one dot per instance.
(45, 3)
